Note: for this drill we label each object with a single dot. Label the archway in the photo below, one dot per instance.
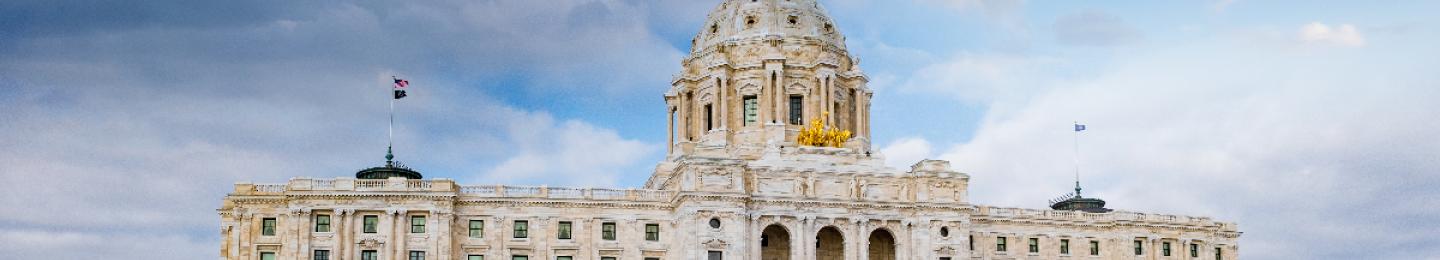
(775, 243)
(882, 245)
(829, 244)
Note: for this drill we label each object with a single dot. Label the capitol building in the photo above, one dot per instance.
(769, 157)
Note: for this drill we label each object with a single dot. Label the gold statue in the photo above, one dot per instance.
(819, 135)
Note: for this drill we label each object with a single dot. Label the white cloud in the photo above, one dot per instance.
(1093, 28)
(570, 153)
(905, 152)
(1305, 150)
(1342, 35)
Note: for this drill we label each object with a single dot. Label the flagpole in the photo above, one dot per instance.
(1076, 156)
(390, 133)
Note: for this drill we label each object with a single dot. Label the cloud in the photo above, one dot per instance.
(1342, 35)
(148, 121)
(1307, 151)
(1093, 29)
(571, 153)
(905, 152)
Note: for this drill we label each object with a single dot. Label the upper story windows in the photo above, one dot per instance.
(417, 224)
(652, 232)
(267, 227)
(322, 223)
(522, 229)
(370, 223)
(477, 228)
(563, 230)
(607, 231)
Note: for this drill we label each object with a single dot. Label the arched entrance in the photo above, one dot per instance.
(882, 245)
(829, 244)
(775, 243)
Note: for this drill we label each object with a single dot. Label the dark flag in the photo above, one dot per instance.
(400, 85)
(1079, 127)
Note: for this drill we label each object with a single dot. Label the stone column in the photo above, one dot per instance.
(724, 102)
(754, 226)
(669, 129)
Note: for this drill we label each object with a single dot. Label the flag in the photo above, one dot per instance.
(1079, 127)
(400, 85)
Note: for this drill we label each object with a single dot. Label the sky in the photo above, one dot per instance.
(1312, 124)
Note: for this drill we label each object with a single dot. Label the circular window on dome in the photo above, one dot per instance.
(749, 22)
(794, 20)
(714, 223)
(944, 231)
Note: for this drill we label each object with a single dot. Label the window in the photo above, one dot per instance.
(714, 223)
(267, 255)
(944, 258)
(267, 227)
(322, 255)
(1000, 244)
(369, 255)
(322, 223)
(417, 224)
(1094, 247)
(417, 255)
(564, 230)
(944, 232)
(370, 222)
(652, 258)
(752, 110)
(1064, 246)
(1217, 254)
(563, 257)
(793, 20)
(709, 117)
(607, 258)
(972, 243)
(1165, 248)
(522, 229)
(1034, 245)
(607, 231)
(475, 257)
(477, 228)
(520, 257)
(797, 110)
(1139, 247)
(716, 255)
(652, 232)
(1194, 250)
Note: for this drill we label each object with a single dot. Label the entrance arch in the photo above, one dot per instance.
(829, 244)
(882, 245)
(774, 243)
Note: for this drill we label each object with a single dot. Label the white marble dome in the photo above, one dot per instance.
(749, 19)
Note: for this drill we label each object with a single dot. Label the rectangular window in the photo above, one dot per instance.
(944, 258)
(322, 255)
(752, 110)
(322, 223)
(1194, 250)
(1217, 254)
(369, 255)
(709, 117)
(1165, 248)
(477, 228)
(1139, 247)
(370, 222)
(564, 230)
(267, 255)
(652, 232)
(652, 258)
(563, 257)
(1094, 247)
(716, 255)
(267, 227)
(475, 257)
(1034, 245)
(522, 229)
(607, 231)
(607, 258)
(417, 224)
(1000, 244)
(417, 255)
(520, 257)
(797, 110)
(1064, 246)
(972, 243)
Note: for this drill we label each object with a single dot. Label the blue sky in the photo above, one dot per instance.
(1310, 123)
